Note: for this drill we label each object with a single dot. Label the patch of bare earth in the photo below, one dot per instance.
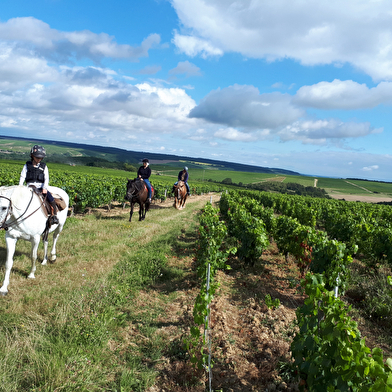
(248, 340)
(364, 198)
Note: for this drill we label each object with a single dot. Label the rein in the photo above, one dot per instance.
(138, 187)
(6, 226)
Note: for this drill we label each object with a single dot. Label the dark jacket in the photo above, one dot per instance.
(144, 172)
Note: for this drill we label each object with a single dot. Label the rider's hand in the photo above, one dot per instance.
(44, 191)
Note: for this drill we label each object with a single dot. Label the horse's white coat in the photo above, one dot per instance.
(29, 228)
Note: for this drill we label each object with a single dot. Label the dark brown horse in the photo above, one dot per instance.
(137, 192)
(180, 195)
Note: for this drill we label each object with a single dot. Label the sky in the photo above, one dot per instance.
(296, 85)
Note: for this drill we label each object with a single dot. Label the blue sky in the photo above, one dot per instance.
(303, 86)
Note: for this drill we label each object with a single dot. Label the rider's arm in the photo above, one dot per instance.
(46, 182)
(23, 175)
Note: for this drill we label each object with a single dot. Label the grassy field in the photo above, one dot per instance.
(66, 330)
(162, 172)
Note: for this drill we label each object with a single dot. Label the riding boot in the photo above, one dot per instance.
(53, 218)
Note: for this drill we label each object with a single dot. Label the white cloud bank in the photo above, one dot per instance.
(260, 116)
(312, 32)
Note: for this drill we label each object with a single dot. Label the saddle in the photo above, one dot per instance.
(145, 186)
(46, 207)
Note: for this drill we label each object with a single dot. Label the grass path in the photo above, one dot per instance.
(88, 248)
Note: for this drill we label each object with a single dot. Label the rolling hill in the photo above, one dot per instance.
(91, 155)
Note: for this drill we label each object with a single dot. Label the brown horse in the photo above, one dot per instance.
(180, 195)
(137, 192)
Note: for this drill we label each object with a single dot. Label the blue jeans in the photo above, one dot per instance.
(147, 181)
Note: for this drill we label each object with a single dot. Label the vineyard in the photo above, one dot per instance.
(91, 190)
(323, 236)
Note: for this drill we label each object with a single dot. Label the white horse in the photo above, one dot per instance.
(22, 216)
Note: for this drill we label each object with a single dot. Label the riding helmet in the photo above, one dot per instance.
(186, 168)
(38, 151)
(146, 160)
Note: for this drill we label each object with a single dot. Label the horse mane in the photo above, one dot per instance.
(139, 184)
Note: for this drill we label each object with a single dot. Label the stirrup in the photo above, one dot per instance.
(54, 220)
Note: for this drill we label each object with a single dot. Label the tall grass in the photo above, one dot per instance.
(68, 329)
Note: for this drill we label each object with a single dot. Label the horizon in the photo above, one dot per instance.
(296, 86)
(190, 159)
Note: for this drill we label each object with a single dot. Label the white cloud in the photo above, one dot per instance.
(187, 68)
(325, 131)
(244, 106)
(343, 95)
(311, 32)
(31, 34)
(20, 67)
(370, 168)
(91, 101)
(193, 46)
(233, 134)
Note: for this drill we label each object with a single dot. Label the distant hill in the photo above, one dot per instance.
(90, 155)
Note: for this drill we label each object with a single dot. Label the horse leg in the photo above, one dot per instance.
(141, 212)
(45, 260)
(131, 213)
(34, 248)
(11, 245)
(53, 256)
(56, 234)
(178, 202)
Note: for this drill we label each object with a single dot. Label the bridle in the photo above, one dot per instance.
(6, 226)
(136, 190)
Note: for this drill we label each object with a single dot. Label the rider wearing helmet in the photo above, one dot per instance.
(36, 173)
(183, 176)
(144, 174)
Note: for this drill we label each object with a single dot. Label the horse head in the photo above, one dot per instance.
(133, 188)
(5, 205)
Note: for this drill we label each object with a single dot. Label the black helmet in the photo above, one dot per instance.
(38, 151)
(145, 160)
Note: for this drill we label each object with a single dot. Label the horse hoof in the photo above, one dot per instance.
(3, 293)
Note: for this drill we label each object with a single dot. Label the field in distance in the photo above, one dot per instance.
(169, 166)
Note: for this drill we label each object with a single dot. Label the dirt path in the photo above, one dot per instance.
(365, 198)
(361, 187)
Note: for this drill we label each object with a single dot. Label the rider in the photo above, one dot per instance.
(36, 173)
(144, 174)
(183, 176)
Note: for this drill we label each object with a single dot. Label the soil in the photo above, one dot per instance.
(364, 198)
(248, 340)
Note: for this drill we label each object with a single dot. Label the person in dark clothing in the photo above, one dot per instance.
(144, 174)
(36, 173)
(183, 175)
